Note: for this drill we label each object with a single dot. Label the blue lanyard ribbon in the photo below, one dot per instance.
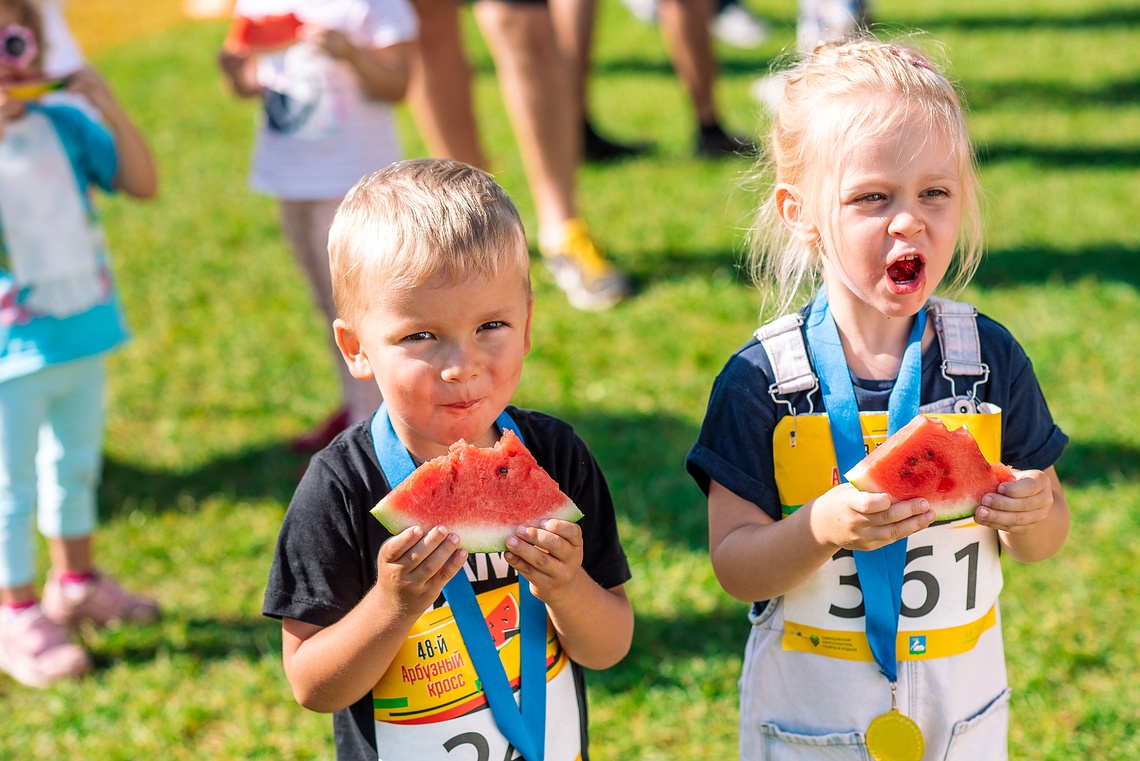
(525, 729)
(880, 571)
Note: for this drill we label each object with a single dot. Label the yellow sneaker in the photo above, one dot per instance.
(579, 267)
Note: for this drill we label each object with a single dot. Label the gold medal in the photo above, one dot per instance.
(894, 737)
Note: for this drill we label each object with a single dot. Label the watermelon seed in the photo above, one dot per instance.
(912, 461)
(930, 454)
(905, 472)
(502, 470)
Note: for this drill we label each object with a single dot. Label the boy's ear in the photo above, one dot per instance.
(529, 315)
(349, 344)
(789, 205)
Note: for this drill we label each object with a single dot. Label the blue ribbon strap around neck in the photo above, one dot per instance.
(880, 571)
(525, 729)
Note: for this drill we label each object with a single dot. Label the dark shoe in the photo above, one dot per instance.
(321, 436)
(714, 143)
(597, 148)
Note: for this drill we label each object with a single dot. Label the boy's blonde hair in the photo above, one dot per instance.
(838, 95)
(30, 16)
(422, 221)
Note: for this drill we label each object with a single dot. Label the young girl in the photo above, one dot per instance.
(327, 122)
(59, 314)
(875, 629)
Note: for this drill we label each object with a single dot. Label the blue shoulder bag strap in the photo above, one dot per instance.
(880, 571)
(525, 729)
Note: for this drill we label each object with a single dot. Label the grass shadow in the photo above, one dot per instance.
(1042, 263)
(1065, 98)
(202, 640)
(1099, 463)
(663, 646)
(1058, 156)
(643, 458)
(647, 266)
(1077, 20)
(265, 473)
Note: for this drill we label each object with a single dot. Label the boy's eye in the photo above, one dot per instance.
(492, 325)
(421, 336)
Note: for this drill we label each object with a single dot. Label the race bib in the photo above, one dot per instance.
(952, 576)
(950, 589)
(430, 704)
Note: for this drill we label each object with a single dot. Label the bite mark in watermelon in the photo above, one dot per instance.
(925, 459)
(262, 34)
(480, 494)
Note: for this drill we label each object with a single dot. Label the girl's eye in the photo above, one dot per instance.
(937, 193)
(871, 198)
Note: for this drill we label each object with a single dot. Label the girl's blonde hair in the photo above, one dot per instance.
(418, 222)
(837, 96)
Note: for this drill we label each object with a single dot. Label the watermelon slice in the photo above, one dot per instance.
(34, 89)
(480, 494)
(262, 34)
(924, 459)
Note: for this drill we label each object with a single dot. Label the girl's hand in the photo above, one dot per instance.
(88, 83)
(1019, 506)
(549, 556)
(413, 566)
(336, 44)
(847, 518)
(231, 62)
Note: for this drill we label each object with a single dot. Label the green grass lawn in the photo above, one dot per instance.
(228, 362)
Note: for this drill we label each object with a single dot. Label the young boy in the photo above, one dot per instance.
(431, 280)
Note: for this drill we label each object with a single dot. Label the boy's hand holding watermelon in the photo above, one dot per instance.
(414, 566)
(549, 556)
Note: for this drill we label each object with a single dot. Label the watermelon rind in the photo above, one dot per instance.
(472, 537)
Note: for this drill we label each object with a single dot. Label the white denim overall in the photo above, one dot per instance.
(810, 686)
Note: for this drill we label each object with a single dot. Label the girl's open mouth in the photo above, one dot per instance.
(905, 270)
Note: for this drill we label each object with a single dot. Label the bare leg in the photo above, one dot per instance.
(439, 90)
(685, 28)
(306, 226)
(535, 84)
(574, 30)
(72, 555)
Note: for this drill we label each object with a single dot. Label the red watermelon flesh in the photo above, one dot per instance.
(480, 494)
(925, 459)
(263, 34)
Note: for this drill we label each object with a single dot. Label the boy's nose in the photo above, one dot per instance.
(459, 366)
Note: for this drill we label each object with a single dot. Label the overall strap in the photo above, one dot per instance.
(955, 322)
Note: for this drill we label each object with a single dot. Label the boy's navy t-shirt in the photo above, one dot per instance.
(325, 560)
